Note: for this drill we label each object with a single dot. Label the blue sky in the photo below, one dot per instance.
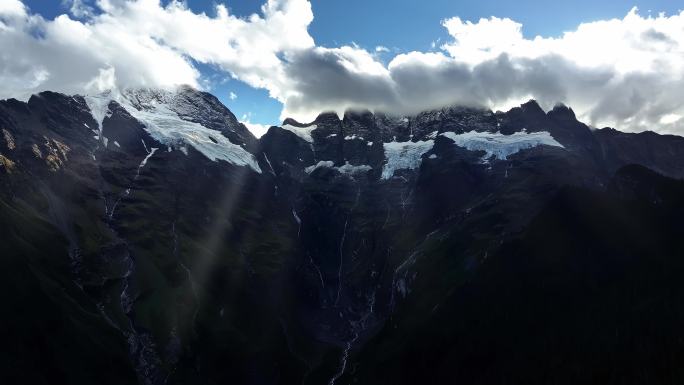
(414, 24)
(400, 25)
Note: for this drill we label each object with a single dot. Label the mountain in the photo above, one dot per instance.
(149, 238)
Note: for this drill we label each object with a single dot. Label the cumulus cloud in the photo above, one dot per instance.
(625, 72)
(147, 44)
(256, 129)
(622, 72)
(79, 8)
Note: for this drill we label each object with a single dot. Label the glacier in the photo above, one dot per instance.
(167, 127)
(404, 156)
(302, 132)
(500, 146)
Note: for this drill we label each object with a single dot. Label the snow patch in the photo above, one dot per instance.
(270, 166)
(501, 146)
(349, 169)
(404, 156)
(296, 217)
(321, 164)
(353, 137)
(431, 135)
(302, 132)
(144, 161)
(99, 109)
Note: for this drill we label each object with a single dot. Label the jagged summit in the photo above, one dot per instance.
(561, 111)
(529, 116)
(532, 107)
(184, 118)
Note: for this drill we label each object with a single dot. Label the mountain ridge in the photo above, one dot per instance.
(297, 263)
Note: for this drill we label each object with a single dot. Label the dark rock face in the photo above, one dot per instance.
(657, 152)
(588, 294)
(370, 249)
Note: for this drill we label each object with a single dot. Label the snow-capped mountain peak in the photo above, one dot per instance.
(180, 118)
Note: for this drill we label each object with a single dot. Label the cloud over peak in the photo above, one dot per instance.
(621, 72)
(625, 72)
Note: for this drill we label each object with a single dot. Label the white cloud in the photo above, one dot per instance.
(381, 48)
(69, 56)
(79, 8)
(12, 9)
(232, 95)
(623, 72)
(670, 118)
(147, 44)
(256, 129)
